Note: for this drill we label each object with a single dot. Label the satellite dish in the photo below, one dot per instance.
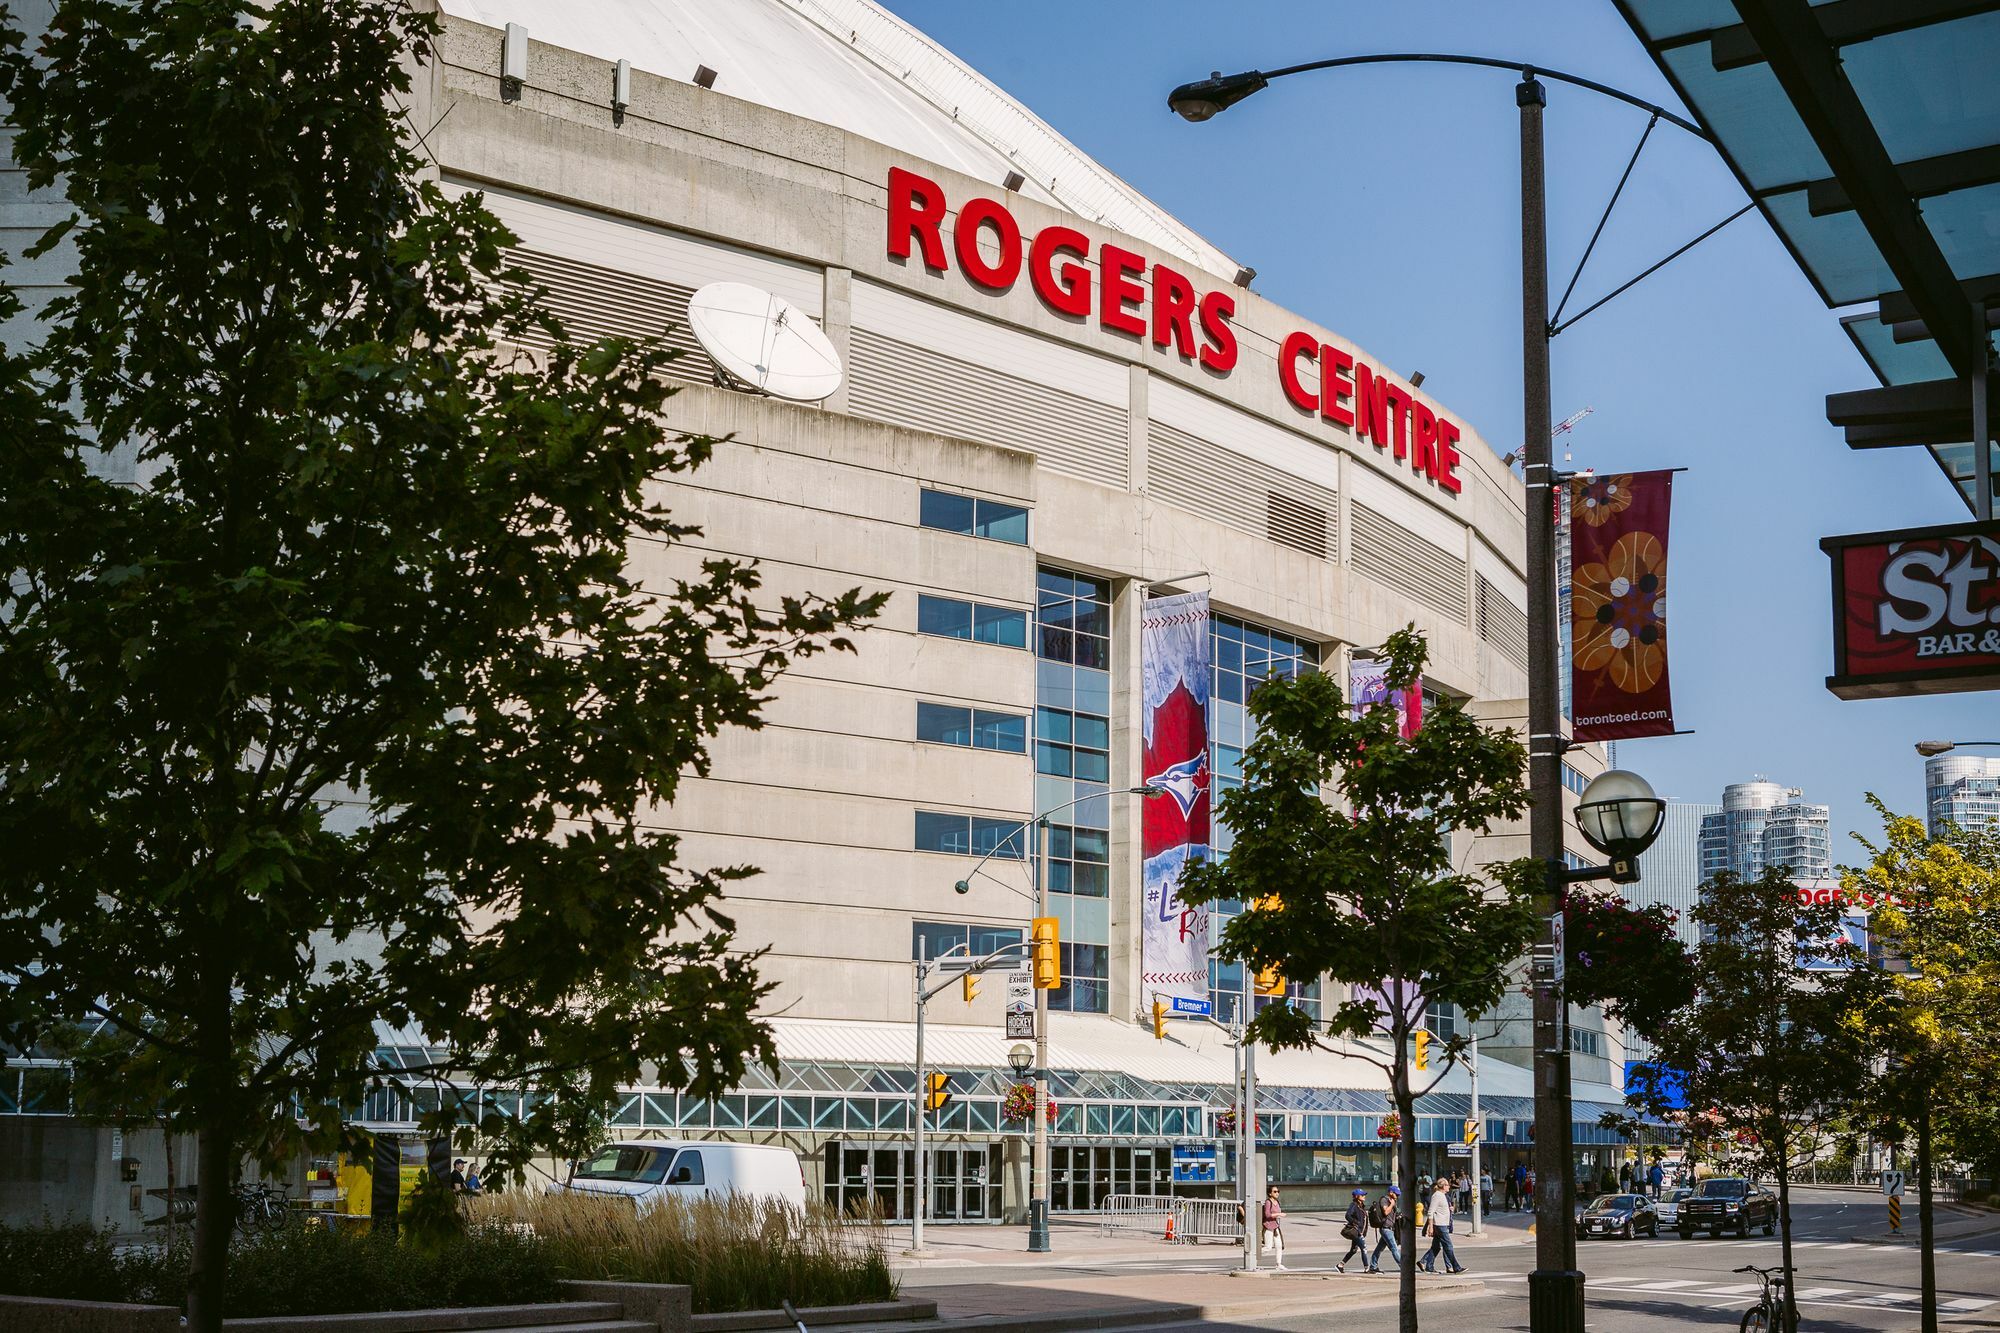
(763, 342)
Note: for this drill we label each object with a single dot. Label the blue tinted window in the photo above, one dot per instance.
(943, 833)
(1001, 625)
(944, 616)
(1000, 731)
(1002, 837)
(946, 512)
(943, 724)
(1002, 522)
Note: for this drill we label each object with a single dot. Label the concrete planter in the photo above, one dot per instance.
(742, 1321)
(32, 1314)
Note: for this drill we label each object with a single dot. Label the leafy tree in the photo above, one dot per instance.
(1764, 1055)
(355, 711)
(1625, 958)
(1934, 905)
(1342, 855)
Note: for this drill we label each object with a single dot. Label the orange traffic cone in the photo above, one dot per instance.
(1170, 1226)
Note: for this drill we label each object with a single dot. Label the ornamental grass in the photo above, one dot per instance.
(735, 1253)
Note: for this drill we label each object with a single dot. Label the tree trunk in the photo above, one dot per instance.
(1406, 1167)
(1785, 1229)
(214, 1219)
(173, 1224)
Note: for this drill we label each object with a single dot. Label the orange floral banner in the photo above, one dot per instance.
(1618, 606)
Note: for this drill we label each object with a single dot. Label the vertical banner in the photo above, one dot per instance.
(1174, 651)
(1618, 606)
(1367, 686)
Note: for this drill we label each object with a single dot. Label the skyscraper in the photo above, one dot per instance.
(1763, 824)
(1671, 870)
(1961, 789)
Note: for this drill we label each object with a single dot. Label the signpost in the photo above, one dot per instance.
(1892, 1188)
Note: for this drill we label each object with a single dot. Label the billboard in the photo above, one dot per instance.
(1618, 606)
(1174, 655)
(1368, 685)
(1915, 611)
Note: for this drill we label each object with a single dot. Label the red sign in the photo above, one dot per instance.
(1618, 606)
(1916, 611)
(1070, 281)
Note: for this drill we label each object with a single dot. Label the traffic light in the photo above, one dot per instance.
(1047, 953)
(1269, 982)
(1471, 1130)
(935, 1096)
(1159, 1020)
(969, 983)
(1423, 1048)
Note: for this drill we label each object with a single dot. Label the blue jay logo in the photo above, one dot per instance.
(1185, 782)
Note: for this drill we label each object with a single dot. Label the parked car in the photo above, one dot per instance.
(1727, 1203)
(1626, 1215)
(1669, 1205)
(651, 1170)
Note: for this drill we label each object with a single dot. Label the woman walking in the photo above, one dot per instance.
(1355, 1228)
(1274, 1227)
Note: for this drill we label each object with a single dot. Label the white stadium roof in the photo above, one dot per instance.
(853, 65)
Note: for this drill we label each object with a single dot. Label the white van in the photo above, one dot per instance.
(646, 1170)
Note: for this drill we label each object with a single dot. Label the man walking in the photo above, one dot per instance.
(1485, 1190)
(1383, 1218)
(1517, 1186)
(1441, 1233)
(1355, 1228)
(1656, 1177)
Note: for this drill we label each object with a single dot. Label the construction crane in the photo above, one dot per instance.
(1562, 428)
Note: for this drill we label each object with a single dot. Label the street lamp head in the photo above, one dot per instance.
(1149, 791)
(1020, 1055)
(963, 886)
(1619, 814)
(1930, 748)
(1204, 98)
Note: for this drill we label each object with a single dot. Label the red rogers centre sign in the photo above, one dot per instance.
(1109, 285)
(1916, 611)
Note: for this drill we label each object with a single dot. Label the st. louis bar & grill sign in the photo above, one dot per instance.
(1916, 611)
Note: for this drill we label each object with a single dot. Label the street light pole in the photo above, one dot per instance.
(1555, 1288)
(1038, 1171)
(1478, 1141)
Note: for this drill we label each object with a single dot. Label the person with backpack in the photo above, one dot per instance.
(1355, 1228)
(1274, 1227)
(1382, 1217)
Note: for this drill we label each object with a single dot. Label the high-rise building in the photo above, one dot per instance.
(1763, 824)
(1961, 789)
(1671, 871)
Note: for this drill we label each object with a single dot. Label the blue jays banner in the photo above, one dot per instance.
(1174, 831)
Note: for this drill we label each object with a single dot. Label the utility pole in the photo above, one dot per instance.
(1246, 1155)
(1555, 1288)
(923, 1096)
(1038, 1206)
(1478, 1139)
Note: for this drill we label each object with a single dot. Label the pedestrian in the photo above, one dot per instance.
(1528, 1188)
(1274, 1227)
(1355, 1228)
(1517, 1179)
(458, 1175)
(1439, 1225)
(472, 1181)
(1624, 1177)
(1383, 1218)
(1485, 1190)
(1656, 1177)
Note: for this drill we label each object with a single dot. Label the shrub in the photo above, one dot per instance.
(735, 1253)
(62, 1261)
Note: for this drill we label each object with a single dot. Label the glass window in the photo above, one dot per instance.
(944, 724)
(999, 731)
(945, 616)
(937, 937)
(1002, 522)
(687, 1169)
(946, 512)
(626, 1162)
(944, 833)
(1002, 837)
(1086, 973)
(986, 939)
(1001, 625)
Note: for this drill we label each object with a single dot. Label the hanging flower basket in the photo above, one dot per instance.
(1225, 1123)
(1390, 1128)
(1019, 1105)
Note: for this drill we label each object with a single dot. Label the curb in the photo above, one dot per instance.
(1373, 1296)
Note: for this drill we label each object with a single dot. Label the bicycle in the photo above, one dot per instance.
(1769, 1312)
(262, 1207)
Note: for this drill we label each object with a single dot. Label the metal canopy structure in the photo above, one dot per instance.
(1868, 134)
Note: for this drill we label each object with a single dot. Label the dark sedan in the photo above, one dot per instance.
(1625, 1215)
(1727, 1203)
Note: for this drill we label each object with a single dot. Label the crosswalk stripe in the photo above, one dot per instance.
(1851, 1245)
(1895, 1296)
(1668, 1285)
(1965, 1303)
(1740, 1289)
(1820, 1293)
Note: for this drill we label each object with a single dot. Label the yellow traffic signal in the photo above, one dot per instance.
(1423, 1048)
(1269, 982)
(1159, 1020)
(1471, 1130)
(1047, 953)
(969, 983)
(935, 1096)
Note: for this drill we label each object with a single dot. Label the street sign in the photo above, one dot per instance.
(1020, 1003)
(1182, 1005)
(1556, 947)
(1458, 1150)
(1892, 1184)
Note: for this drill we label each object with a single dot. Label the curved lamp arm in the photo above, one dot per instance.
(965, 885)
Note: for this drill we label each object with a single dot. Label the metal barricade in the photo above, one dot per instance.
(1137, 1212)
(1208, 1219)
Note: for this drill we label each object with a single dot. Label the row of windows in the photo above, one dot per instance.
(950, 618)
(939, 938)
(1574, 780)
(974, 517)
(1585, 1042)
(950, 724)
(970, 835)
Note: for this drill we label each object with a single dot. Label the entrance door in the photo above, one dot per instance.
(888, 1181)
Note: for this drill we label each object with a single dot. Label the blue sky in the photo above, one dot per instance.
(1384, 202)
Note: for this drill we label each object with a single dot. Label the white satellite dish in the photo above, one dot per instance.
(763, 342)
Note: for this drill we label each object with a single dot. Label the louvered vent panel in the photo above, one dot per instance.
(1189, 473)
(594, 302)
(1390, 553)
(906, 385)
(1503, 624)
